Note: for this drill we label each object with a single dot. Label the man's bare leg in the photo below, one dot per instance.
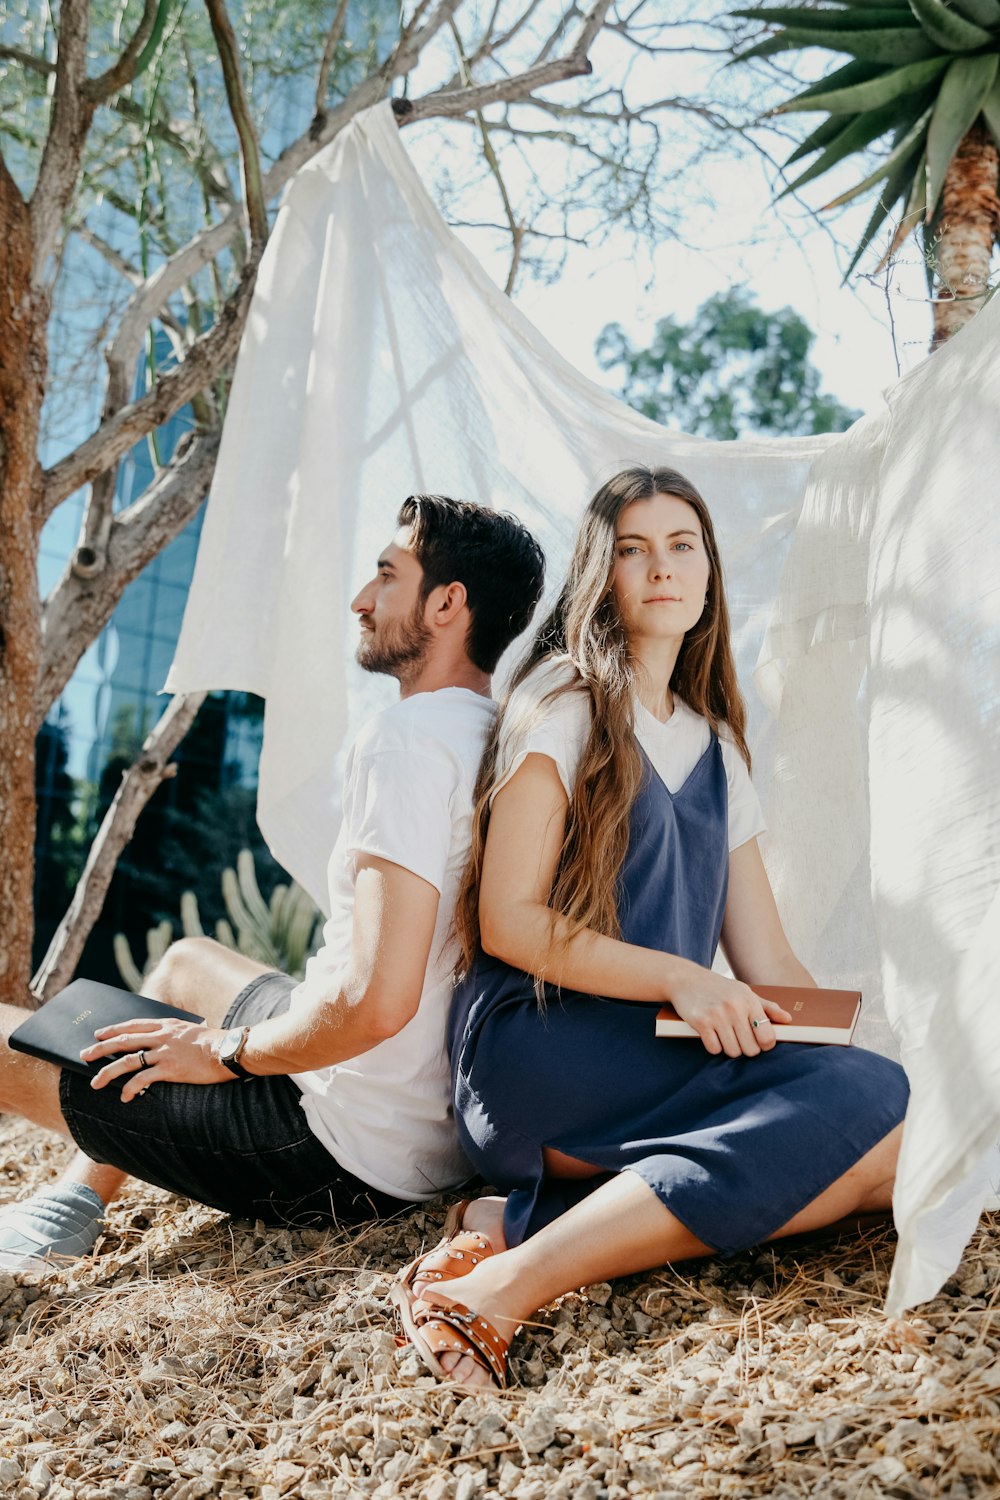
(195, 974)
(623, 1228)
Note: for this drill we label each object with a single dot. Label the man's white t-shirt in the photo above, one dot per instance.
(558, 727)
(408, 796)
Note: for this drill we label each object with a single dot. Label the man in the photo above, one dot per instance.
(326, 1101)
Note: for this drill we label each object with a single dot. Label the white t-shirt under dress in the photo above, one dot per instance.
(558, 727)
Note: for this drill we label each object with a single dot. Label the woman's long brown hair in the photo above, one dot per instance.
(585, 627)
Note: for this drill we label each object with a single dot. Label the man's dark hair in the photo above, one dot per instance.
(491, 553)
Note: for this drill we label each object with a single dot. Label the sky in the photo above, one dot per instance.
(867, 333)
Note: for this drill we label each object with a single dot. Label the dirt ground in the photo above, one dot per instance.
(196, 1356)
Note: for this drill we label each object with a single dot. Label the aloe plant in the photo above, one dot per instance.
(923, 83)
(283, 931)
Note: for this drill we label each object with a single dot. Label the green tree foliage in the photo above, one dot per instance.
(920, 77)
(732, 370)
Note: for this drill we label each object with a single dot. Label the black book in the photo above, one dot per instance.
(59, 1030)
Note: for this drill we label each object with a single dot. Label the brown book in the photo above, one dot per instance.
(820, 1015)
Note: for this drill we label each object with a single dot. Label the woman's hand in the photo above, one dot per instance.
(147, 1052)
(727, 1015)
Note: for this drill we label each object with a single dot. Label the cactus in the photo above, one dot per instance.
(283, 932)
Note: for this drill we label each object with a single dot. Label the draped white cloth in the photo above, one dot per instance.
(862, 573)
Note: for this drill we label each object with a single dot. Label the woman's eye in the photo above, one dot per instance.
(627, 551)
(685, 545)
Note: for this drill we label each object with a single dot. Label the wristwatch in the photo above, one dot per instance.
(231, 1050)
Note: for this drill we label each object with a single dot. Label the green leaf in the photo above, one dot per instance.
(821, 136)
(853, 137)
(991, 110)
(983, 12)
(900, 154)
(862, 4)
(871, 94)
(891, 45)
(898, 183)
(155, 37)
(835, 20)
(844, 78)
(767, 48)
(948, 30)
(960, 98)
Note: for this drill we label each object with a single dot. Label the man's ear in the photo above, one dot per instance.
(447, 602)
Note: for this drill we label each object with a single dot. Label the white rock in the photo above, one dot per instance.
(539, 1430)
(509, 1478)
(40, 1477)
(51, 1420)
(885, 1470)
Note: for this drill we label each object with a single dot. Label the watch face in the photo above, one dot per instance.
(230, 1044)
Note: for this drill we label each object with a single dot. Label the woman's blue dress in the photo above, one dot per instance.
(734, 1147)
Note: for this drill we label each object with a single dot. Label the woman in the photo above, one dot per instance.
(614, 848)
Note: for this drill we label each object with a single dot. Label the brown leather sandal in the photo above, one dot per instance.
(456, 1254)
(440, 1328)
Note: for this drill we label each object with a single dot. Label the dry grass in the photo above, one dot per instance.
(195, 1356)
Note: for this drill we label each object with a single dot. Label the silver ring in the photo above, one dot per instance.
(759, 1022)
(142, 1059)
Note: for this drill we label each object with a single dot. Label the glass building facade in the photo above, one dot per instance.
(199, 819)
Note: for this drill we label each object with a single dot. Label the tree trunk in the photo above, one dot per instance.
(968, 221)
(22, 385)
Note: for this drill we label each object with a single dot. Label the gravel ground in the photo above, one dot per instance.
(196, 1356)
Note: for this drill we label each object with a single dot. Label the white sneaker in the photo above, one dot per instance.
(56, 1224)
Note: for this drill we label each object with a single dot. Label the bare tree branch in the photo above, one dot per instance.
(461, 101)
(207, 164)
(114, 257)
(28, 60)
(124, 70)
(253, 191)
(80, 606)
(139, 783)
(489, 43)
(68, 126)
(555, 35)
(209, 354)
(412, 42)
(329, 52)
(515, 228)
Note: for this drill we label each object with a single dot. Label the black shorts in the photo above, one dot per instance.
(244, 1148)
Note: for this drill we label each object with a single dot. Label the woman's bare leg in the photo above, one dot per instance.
(622, 1228)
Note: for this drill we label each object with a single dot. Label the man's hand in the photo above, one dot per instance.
(174, 1052)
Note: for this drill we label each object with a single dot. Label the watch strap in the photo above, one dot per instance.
(233, 1062)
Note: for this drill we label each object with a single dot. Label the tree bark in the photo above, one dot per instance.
(969, 219)
(23, 315)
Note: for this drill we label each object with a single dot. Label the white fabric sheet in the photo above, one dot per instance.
(862, 574)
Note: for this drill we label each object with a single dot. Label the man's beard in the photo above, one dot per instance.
(396, 647)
